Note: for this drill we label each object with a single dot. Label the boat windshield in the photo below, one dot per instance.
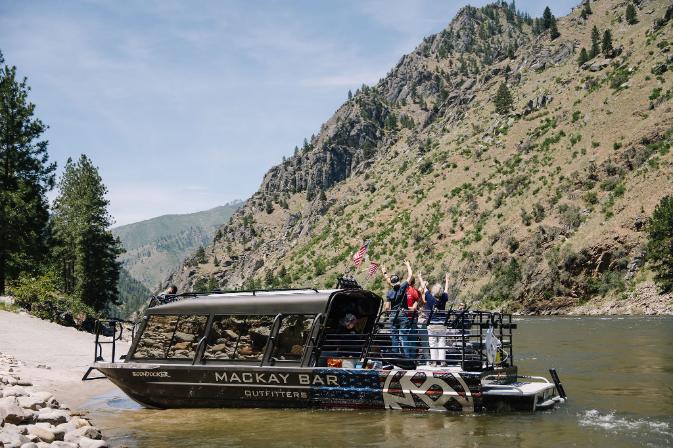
(170, 337)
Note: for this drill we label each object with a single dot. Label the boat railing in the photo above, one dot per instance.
(443, 338)
(108, 332)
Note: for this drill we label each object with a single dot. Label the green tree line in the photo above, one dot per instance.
(58, 260)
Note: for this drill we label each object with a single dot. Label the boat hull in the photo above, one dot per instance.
(187, 386)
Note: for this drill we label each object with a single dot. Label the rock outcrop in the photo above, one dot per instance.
(551, 195)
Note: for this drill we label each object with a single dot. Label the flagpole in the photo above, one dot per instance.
(366, 282)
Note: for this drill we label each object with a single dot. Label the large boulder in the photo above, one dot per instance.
(58, 433)
(31, 445)
(31, 402)
(52, 416)
(10, 411)
(537, 103)
(42, 433)
(44, 396)
(14, 391)
(85, 442)
(89, 432)
(12, 439)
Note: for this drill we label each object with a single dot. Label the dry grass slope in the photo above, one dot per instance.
(540, 210)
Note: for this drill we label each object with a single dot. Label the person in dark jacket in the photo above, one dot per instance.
(396, 305)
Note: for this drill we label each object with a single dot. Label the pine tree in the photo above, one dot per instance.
(583, 57)
(503, 100)
(660, 243)
(25, 177)
(595, 45)
(606, 44)
(586, 11)
(547, 18)
(200, 255)
(85, 250)
(631, 17)
(553, 30)
(350, 95)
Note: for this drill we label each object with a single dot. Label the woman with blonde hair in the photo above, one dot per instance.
(434, 301)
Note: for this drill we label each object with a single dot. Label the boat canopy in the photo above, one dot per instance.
(307, 301)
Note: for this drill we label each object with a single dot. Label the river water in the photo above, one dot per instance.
(617, 371)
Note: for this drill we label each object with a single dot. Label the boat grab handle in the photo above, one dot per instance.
(534, 378)
(526, 377)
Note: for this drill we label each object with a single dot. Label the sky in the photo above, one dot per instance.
(184, 106)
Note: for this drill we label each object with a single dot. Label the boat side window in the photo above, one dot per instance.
(292, 336)
(238, 337)
(170, 336)
(188, 332)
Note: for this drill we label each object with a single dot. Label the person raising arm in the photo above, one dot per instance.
(397, 289)
(423, 288)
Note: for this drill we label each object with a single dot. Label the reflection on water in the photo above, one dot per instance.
(617, 371)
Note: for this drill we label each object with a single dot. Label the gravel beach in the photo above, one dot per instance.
(41, 392)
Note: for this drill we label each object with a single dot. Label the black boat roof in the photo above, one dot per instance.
(308, 301)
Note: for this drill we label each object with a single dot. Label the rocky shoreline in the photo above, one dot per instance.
(31, 418)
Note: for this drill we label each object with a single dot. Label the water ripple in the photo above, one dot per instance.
(612, 422)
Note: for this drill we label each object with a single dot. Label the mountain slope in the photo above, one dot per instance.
(157, 246)
(132, 295)
(538, 210)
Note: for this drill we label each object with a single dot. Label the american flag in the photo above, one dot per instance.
(360, 254)
(372, 268)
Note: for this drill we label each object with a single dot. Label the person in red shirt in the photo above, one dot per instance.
(413, 295)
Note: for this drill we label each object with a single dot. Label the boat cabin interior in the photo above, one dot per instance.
(260, 328)
(305, 328)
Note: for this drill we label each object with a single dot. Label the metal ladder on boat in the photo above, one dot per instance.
(113, 328)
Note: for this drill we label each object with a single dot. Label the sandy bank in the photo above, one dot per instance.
(54, 357)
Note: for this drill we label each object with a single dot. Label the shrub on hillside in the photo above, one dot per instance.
(660, 243)
(506, 284)
(570, 216)
(40, 296)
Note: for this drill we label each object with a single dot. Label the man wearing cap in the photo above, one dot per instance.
(396, 301)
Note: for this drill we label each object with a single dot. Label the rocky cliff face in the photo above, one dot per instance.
(536, 210)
